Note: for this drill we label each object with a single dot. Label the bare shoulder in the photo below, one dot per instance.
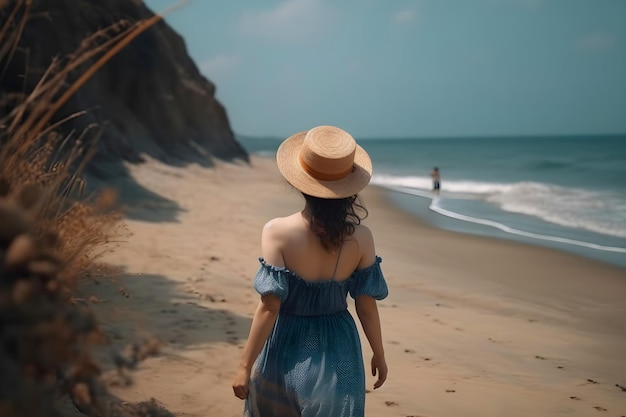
(273, 225)
(272, 241)
(365, 239)
(363, 233)
(279, 225)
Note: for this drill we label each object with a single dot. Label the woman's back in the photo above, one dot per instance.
(292, 243)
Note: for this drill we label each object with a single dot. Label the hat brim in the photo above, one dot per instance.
(289, 166)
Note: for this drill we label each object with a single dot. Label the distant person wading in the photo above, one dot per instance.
(436, 180)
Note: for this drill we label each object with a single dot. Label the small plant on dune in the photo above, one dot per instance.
(51, 235)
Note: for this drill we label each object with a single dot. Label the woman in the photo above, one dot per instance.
(303, 355)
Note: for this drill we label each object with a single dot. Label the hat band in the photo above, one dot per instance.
(324, 176)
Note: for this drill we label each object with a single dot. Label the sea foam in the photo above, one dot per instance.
(595, 211)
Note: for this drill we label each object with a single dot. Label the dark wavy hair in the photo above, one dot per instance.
(334, 219)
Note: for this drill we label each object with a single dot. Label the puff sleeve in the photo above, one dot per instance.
(369, 281)
(271, 279)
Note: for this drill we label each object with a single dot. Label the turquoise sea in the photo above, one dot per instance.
(564, 192)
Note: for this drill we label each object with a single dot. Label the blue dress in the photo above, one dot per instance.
(311, 364)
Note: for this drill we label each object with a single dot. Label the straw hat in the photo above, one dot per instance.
(324, 162)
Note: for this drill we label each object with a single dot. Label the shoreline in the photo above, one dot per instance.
(473, 326)
(464, 224)
(470, 251)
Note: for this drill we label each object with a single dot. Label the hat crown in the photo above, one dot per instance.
(324, 162)
(327, 153)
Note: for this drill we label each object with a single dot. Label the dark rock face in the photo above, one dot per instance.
(150, 98)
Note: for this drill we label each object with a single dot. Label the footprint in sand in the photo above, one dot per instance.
(597, 407)
(409, 351)
(573, 397)
(592, 381)
(540, 357)
(209, 297)
(450, 390)
(227, 328)
(391, 403)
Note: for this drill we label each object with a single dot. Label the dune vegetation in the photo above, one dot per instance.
(52, 234)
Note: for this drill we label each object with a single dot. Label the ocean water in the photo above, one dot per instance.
(565, 192)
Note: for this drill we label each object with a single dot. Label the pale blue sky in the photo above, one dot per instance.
(412, 68)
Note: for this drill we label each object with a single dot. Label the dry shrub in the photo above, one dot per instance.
(46, 341)
(51, 236)
(41, 169)
(79, 229)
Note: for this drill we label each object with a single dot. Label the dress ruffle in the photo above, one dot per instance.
(271, 279)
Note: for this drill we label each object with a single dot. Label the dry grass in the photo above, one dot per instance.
(41, 169)
(51, 236)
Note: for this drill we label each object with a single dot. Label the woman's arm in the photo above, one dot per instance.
(367, 311)
(266, 312)
(262, 325)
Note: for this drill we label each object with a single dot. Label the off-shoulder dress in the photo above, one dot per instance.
(311, 364)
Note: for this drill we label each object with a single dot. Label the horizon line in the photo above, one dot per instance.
(422, 137)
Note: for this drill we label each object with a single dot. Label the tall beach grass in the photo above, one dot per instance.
(52, 235)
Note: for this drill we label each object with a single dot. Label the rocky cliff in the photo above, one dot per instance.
(149, 99)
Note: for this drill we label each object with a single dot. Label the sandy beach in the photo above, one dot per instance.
(473, 326)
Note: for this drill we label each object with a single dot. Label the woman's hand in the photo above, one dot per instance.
(240, 384)
(379, 365)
